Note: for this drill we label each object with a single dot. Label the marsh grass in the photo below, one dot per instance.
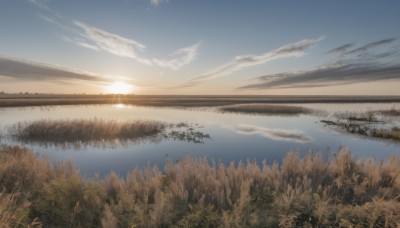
(302, 192)
(78, 133)
(266, 109)
(85, 129)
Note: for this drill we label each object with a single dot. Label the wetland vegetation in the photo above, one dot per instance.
(101, 132)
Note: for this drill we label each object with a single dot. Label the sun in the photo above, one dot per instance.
(120, 88)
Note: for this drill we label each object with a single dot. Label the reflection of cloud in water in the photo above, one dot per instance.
(274, 133)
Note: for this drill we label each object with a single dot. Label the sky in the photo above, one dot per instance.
(207, 47)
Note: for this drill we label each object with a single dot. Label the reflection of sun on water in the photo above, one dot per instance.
(119, 106)
(120, 88)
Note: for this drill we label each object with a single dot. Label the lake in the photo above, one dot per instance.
(233, 137)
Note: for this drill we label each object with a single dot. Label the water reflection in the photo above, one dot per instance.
(234, 136)
(120, 106)
(274, 133)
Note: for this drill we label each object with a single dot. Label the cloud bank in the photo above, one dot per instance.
(274, 133)
(243, 61)
(29, 70)
(356, 65)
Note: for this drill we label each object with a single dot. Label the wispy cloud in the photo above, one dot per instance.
(354, 68)
(274, 133)
(341, 49)
(371, 45)
(97, 39)
(110, 42)
(28, 70)
(157, 2)
(185, 56)
(40, 3)
(100, 40)
(82, 43)
(243, 61)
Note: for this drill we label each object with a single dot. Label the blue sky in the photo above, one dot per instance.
(201, 47)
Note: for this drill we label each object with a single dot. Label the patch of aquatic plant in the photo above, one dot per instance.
(266, 109)
(102, 133)
(190, 135)
(302, 192)
(184, 131)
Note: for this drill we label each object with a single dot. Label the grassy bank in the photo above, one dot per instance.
(265, 109)
(307, 191)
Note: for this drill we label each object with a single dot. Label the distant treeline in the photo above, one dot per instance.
(19, 100)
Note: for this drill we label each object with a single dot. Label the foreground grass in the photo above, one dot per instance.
(266, 109)
(305, 191)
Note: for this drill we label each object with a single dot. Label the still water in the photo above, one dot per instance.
(234, 137)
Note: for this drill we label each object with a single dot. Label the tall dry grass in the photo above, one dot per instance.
(301, 192)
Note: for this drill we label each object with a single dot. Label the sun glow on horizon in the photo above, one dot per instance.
(120, 88)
